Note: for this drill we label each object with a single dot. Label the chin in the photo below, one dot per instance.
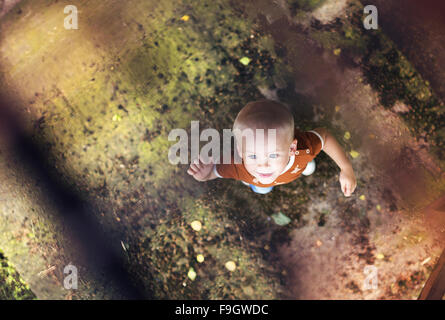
(266, 180)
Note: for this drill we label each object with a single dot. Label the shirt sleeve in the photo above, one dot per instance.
(319, 136)
(315, 141)
(226, 171)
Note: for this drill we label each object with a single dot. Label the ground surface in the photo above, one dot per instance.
(99, 103)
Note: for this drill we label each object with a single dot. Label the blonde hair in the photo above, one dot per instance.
(265, 114)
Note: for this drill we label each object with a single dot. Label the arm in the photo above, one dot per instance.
(335, 151)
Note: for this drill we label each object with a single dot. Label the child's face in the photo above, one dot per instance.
(267, 161)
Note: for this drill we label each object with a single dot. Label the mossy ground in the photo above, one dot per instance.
(101, 101)
(12, 286)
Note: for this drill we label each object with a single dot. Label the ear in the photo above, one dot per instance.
(293, 147)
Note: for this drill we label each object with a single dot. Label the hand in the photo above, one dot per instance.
(199, 170)
(347, 181)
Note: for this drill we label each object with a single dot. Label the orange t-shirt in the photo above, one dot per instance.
(309, 144)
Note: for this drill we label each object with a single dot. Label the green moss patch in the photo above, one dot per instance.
(12, 286)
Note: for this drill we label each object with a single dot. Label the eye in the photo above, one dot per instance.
(274, 155)
(252, 156)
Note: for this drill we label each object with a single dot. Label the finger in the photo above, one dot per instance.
(200, 164)
(205, 161)
(343, 187)
(191, 171)
(352, 189)
(348, 190)
(201, 161)
(345, 190)
(194, 167)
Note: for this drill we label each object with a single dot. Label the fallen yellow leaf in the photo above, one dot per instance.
(354, 154)
(230, 265)
(185, 18)
(380, 256)
(191, 274)
(245, 60)
(196, 225)
(337, 108)
(362, 197)
(200, 258)
(347, 135)
(337, 51)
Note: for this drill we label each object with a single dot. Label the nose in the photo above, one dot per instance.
(263, 162)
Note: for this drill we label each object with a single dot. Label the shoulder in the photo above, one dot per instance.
(312, 140)
(320, 133)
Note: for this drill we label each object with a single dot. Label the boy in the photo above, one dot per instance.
(271, 163)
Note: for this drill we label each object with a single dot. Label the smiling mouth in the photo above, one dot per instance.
(265, 175)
